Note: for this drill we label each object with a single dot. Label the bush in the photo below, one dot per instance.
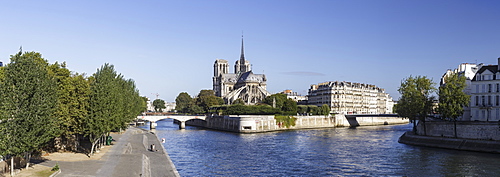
(285, 121)
(56, 167)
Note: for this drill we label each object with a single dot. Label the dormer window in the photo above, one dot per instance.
(478, 77)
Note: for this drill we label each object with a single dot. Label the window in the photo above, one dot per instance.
(482, 100)
(489, 88)
(497, 99)
(482, 87)
(477, 88)
(498, 87)
(477, 100)
(489, 100)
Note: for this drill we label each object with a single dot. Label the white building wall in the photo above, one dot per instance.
(485, 95)
(348, 98)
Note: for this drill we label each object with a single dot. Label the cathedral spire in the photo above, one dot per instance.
(242, 57)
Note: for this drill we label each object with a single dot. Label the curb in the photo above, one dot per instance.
(55, 173)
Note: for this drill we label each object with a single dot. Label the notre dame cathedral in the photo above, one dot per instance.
(243, 83)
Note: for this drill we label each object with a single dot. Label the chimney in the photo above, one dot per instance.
(498, 66)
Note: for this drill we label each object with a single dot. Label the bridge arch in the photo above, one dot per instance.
(181, 118)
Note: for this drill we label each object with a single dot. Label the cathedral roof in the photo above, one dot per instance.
(251, 77)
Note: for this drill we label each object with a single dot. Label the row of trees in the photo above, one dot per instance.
(417, 98)
(198, 105)
(207, 102)
(44, 104)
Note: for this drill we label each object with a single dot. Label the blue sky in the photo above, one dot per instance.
(169, 47)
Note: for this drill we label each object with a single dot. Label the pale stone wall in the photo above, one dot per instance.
(466, 130)
(264, 123)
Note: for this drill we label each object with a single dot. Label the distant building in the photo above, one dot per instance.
(485, 94)
(242, 84)
(295, 96)
(351, 98)
(169, 106)
(469, 71)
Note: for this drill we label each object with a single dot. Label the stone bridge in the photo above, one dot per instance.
(181, 118)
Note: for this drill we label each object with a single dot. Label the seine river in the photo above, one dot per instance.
(363, 151)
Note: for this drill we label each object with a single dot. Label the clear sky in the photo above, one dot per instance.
(169, 47)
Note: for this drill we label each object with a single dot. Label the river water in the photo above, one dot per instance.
(363, 151)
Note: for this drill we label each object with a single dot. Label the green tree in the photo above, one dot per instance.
(301, 109)
(130, 103)
(183, 102)
(103, 104)
(275, 100)
(452, 98)
(207, 98)
(159, 105)
(313, 110)
(281, 102)
(416, 100)
(114, 102)
(239, 101)
(143, 104)
(195, 109)
(289, 107)
(325, 110)
(72, 106)
(27, 104)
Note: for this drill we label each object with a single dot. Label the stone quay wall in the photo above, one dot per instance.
(478, 130)
(266, 123)
(353, 120)
(450, 143)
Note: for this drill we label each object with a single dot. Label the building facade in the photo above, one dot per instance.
(242, 84)
(469, 71)
(485, 94)
(351, 98)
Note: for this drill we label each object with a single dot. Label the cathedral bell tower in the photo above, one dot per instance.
(221, 67)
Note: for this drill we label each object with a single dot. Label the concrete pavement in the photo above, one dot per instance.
(129, 156)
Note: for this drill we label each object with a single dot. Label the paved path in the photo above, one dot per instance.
(129, 156)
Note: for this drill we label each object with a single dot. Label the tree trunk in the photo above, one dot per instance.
(455, 125)
(28, 158)
(94, 144)
(12, 166)
(425, 130)
(415, 126)
(92, 149)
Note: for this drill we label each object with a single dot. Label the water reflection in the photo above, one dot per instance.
(364, 151)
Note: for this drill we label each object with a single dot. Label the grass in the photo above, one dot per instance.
(44, 173)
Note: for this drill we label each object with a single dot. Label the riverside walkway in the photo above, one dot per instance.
(129, 156)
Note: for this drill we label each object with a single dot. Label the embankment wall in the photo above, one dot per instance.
(450, 143)
(265, 123)
(479, 130)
